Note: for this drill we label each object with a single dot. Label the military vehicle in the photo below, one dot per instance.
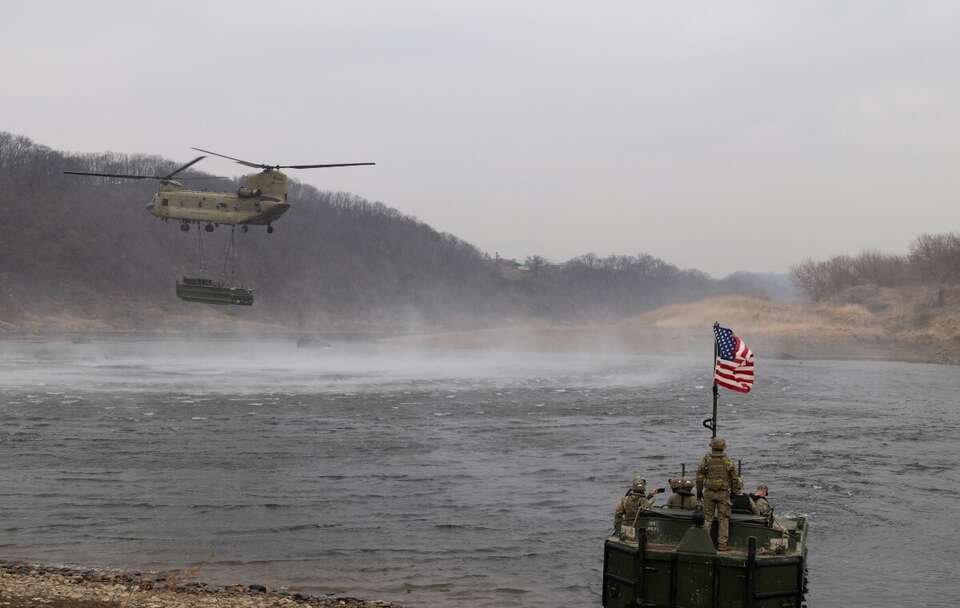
(259, 201)
(208, 291)
(667, 559)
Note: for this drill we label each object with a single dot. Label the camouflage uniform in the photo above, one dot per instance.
(759, 503)
(719, 474)
(682, 501)
(630, 505)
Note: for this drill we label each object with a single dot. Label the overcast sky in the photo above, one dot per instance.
(720, 136)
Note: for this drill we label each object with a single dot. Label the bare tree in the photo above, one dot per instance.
(936, 257)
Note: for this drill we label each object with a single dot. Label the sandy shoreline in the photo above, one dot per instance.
(25, 585)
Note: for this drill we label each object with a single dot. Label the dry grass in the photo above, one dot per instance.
(761, 317)
(867, 323)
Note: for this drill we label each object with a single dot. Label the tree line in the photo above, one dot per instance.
(932, 260)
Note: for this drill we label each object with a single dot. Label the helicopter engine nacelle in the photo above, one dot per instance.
(247, 192)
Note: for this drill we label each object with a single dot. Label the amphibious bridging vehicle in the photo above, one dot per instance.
(668, 560)
(208, 291)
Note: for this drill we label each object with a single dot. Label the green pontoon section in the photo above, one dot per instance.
(671, 563)
(207, 291)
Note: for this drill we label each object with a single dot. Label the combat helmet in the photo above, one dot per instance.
(638, 485)
(717, 444)
(682, 485)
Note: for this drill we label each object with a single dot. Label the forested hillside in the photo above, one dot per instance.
(80, 250)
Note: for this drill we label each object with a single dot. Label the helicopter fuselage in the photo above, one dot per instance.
(257, 202)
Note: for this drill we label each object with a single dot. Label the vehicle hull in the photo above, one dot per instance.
(655, 570)
(205, 291)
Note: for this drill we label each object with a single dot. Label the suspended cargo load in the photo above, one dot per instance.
(208, 291)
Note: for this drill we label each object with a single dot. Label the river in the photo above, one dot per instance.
(456, 478)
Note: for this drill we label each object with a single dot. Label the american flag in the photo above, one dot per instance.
(734, 369)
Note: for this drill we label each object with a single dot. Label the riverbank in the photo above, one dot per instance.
(864, 323)
(24, 585)
(869, 324)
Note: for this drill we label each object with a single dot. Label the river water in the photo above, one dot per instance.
(456, 478)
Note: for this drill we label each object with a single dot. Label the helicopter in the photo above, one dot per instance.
(260, 200)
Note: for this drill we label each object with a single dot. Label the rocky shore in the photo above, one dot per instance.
(25, 585)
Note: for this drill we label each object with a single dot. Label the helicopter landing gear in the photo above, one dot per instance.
(208, 227)
(185, 227)
(269, 229)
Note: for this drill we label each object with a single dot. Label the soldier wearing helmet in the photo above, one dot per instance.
(682, 497)
(759, 503)
(716, 479)
(634, 501)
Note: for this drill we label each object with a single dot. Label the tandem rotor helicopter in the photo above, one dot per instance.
(259, 201)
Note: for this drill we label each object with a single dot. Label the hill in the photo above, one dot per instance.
(79, 253)
(84, 253)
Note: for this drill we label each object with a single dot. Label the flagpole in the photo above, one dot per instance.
(716, 389)
(711, 423)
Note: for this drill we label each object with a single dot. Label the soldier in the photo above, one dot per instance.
(758, 501)
(740, 501)
(719, 474)
(635, 500)
(682, 497)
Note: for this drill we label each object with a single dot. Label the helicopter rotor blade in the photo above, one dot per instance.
(117, 175)
(186, 166)
(322, 166)
(129, 176)
(265, 166)
(242, 162)
(198, 177)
